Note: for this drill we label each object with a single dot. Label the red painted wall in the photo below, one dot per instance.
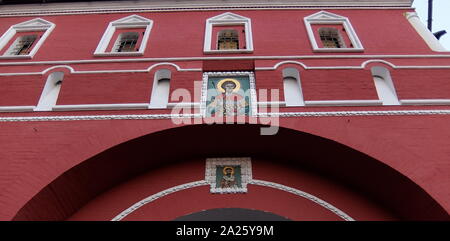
(35, 153)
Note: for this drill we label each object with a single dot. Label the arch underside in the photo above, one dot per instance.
(364, 188)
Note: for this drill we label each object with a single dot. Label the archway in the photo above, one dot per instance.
(363, 187)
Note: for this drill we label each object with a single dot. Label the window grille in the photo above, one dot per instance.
(23, 44)
(331, 38)
(127, 42)
(228, 39)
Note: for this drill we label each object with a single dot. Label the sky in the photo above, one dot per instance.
(441, 17)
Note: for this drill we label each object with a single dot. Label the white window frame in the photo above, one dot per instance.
(228, 19)
(327, 18)
(130, 22)
(34, 25)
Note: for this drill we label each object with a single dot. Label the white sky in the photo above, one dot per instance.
(441, 17)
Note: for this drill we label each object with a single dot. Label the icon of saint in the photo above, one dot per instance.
(228, 179)
(229, 102)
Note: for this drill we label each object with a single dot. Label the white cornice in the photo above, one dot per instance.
(259, 115)
(131, 60)
(189, 5)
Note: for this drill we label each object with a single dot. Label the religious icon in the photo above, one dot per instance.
(228, 177)
(228, 96)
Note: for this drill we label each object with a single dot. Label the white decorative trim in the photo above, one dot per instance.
(272, 103)
(73, 71)
(130, 22)
(281, 187)
(16, 108)
(251, 76)
(130, 106)
(37, 24)
(306, 195)
(426, 102)
(343, 102)
(423, 31)
(324, 17)
(158, 195)
(211, 169)
(130, 60)
(174, 116)
(224, 20)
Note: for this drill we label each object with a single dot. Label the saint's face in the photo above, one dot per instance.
(229, 87)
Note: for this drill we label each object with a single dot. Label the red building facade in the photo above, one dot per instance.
(115, 112)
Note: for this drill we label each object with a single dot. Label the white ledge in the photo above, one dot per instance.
(343, 103)
(118, 54)
(272, 103)
(16, 108)
(239, 51)
(132, 106)
(426, 102)
(16, 56)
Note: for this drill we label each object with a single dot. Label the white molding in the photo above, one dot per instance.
(225, 19)
(284, 58)
(73, 71)
(253, 97)
(37, 24)
(16, 108)
(272, 103)
(324, 17)
(343, 102)
(246, 173)
(130, 106)
(262, 183)
(164, 6)
(196, 105)
(259, 115)
(425, 102)
(303, 194)
(423, 31)
(129, 22)
(156, 196)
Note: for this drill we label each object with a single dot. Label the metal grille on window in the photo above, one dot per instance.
(331, 38)
(127, 42)
(23, 45)
(228, 39)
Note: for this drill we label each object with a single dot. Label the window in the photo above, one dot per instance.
(127, 36)
(161, 89)
(24, 39)
(126, 42)
(228, 33)
(329, 32)
(385, 86)
(22, 45)
(331, 38)
(228, 39)
(50, 93)
(292, 89)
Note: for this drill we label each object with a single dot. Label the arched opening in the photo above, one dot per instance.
(384, 86)
(293, 95)
(161, 89)
(82, 193)
(50, 93)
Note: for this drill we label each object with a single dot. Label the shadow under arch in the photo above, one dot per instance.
(77, 186)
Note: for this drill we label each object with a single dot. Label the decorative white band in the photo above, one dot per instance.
(281, 187)
(259, 115)
(305, 195)
(158, 195)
